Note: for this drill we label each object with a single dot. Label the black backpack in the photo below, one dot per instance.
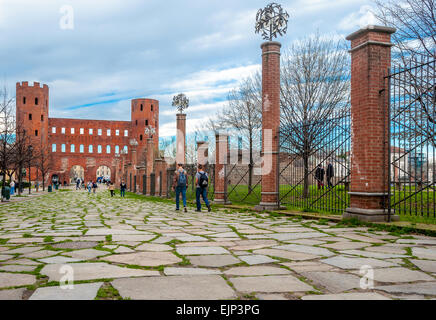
(203, 181)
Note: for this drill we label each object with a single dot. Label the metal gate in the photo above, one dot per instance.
(412, 160)
(314, 163)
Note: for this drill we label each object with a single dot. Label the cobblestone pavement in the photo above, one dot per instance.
(116, 248)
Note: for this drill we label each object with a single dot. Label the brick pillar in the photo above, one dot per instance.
(150, 162)
(181, 138)
(270, 124)
(202, 152)
(370, 60)
(222, 154)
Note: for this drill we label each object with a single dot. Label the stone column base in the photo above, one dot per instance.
(221, 201)
(268, 206)
(369, 215)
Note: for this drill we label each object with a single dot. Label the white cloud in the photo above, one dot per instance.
(358, 19)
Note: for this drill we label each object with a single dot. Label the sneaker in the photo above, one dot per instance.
(209, 209)
(186, 210)
(177, 209)
(197, 210)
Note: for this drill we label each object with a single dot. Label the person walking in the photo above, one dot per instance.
(112, 189)
(89, 186)
(12, 186)
(180, 185)
(36, 186)
(201, 181)
(319, 176)
(94, 187)
(330, 174)
(123, 187)
(78, 184)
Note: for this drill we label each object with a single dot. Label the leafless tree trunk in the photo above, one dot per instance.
(43, 162)
(315, 90)
(7, 135)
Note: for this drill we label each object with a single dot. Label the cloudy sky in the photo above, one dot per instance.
(119, 50)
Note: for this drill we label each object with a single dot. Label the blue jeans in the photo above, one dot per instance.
(123, 192)
(201, 192)
(178, 191)
(12, 191)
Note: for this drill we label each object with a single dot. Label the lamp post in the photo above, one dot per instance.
(30, 151)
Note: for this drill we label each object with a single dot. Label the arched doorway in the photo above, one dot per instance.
(77, 172)
(103, 173)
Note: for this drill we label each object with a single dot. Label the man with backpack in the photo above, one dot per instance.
(180, 184)
(123, 187)
(202, 181)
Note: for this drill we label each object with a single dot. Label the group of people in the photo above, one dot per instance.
(180, 184)
(319, 175)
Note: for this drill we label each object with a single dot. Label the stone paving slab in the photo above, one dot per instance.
(85, 291)
(12, 294)
(153, 247)
(270, 284)
(345, 245)
(306, 249)
(146, 259)
(171, 271)
(334, 282)
(425, 265)
(213, 260)
(256, 259)
(208, 287)
(255, 271)
(201, 250)
(424, 253)
(347, 296)
(15, 279)
(400, 274)
(356, 263)
(426, 288)
(94, 271)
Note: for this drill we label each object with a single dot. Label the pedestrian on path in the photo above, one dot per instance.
(89, 186)
(123, 187)
(330, 174)
(94, 187)
(319, 176)
(112, 189)
(12, 185)
(202, 182)
(180, 185)
(36, 186)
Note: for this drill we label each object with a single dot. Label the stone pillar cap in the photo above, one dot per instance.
(271, 43)
(181, 115)
(369, 28)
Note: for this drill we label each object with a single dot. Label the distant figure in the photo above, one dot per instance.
(112, 189)
(201, 181)
(180, 185)
(89, 186)
(94, 187)
(78, 184)
(319, 176)
(12, 185)
(36, 186)
(330, 174)
(123, 187)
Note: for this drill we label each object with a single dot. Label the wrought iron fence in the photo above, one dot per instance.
(314, 163)
(412, 114)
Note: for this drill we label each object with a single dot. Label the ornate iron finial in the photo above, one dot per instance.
(272, 20)
(181, 102)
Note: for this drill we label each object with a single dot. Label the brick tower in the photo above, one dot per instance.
(32, 112)
(145, 114)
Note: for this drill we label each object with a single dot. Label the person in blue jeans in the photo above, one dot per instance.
(123, 187)
(201, 181)
(180, 184)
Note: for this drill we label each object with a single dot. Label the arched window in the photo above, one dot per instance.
(82, 148)
(36, 101)
(99, 149)
(136, 122)
(151, 107)
(42, 117)
(63, 147)
(117, 149)
(125, 149)
(140, 137)
(24, 100)
(108, 149)
(146, 122)
(90, 148)
(142, 107)
(36, 133)
(73, 148)
(30, 116)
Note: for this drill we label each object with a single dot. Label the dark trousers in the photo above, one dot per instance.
(201, 192)
(112, 193)
(320, 184)
(123, 192)
(329, 182)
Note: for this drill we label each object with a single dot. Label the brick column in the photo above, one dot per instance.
(270, 124)
(202, 152)
(181, 138)
(370, 60)
(222, 154)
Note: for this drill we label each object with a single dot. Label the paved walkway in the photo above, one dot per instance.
(117, 248)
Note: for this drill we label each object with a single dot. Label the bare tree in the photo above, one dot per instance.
(7, 135)
(244, 114)
(415, 23)
(43, 162)
(20, 154)
(315, 87)
(415, 44)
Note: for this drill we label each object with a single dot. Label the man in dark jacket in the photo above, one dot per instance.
(330, 174)
(319, 176)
